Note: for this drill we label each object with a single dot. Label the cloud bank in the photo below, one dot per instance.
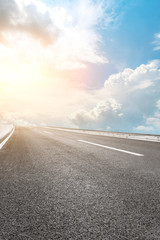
(129, 101)
(25, 16)
(69, 33)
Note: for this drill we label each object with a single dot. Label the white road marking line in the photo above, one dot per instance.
(6, 139)
(116, 149)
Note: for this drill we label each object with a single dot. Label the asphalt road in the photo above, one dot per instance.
(53, 186)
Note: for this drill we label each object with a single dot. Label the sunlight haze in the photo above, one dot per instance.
(82, 64)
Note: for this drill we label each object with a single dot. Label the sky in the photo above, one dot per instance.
(92, 64)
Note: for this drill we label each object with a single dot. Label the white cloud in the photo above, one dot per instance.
(154, 121)
(105, 109)
(144, 129)
(158, 104)
(157, 41)
(108, 128)
(69, 33)
(142, 77)
(25, 16)
(135, 94)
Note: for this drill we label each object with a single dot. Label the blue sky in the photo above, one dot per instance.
(128, 42)
(134, 35)
(86, 63)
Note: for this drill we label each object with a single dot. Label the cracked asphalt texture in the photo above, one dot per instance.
(54, 187)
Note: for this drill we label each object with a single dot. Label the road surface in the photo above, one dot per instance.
(63, 185)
